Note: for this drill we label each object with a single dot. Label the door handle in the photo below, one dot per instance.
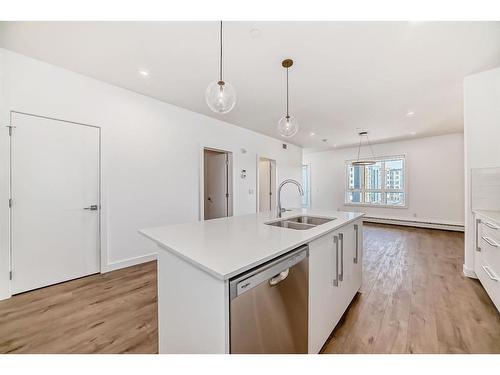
(356, 230)
(336, 280)
(279, 278)
(478, 221)
(341, 239)
(91, 208)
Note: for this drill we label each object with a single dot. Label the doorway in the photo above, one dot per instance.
(267, 184)
(217, 184)
(55, 201)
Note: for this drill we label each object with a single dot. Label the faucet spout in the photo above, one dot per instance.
(280, 210)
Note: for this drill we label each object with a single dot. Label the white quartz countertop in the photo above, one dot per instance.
(492, 215)
(226, 247)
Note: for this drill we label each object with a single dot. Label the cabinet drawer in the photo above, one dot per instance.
(491, 230)
(490, 252)
(487, 277)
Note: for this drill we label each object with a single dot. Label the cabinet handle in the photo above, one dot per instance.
(490, 273)
(356, 239)
(336, 280)
(491, 226)
(478, 221)
(490, 241)
(341, 239)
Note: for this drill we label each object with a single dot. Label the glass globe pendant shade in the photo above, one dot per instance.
(220, 97)
(288, 126)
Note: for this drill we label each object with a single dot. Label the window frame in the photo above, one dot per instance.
(307, 192)
(383, 190)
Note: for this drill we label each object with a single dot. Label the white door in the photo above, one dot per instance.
(55, 176)
(265, 185)
(216, 184)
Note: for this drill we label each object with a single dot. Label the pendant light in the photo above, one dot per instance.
(288, 125)
(364, 161)
(220, 96)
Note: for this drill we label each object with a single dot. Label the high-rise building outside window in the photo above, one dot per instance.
(380, 184)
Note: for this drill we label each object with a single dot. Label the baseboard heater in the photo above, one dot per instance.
(415, 223)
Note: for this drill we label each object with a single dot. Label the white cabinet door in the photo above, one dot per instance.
(358, 256)
(350, 261)
(325, 296)
(335, 265)
(487, 258)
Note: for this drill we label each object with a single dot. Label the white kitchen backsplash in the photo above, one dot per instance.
(485, 189)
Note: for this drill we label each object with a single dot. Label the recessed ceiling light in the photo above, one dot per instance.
(143, 72)
(312, 134)
(255, 33)
(410, 114)
(413, 133)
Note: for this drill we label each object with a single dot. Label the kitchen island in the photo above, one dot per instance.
(197, 262)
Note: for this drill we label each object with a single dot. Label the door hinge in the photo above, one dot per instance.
(227, 195)
(10, 275)
(10, 202)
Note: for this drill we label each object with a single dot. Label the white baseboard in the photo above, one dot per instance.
(130, 262)
(469, 272)
(415, 223)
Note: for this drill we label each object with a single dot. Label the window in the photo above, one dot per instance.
(380, 184)
(306, 185)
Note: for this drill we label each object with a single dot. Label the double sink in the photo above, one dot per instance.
(300, 222)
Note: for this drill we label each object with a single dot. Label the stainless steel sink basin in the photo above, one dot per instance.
(300, 222)
(311, 220)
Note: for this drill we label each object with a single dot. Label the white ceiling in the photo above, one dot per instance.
(346, 76)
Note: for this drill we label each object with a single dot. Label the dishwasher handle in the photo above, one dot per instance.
(279, 278)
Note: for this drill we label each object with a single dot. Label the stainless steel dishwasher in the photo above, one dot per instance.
(269, 306)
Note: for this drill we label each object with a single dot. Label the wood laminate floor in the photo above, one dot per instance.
(414, 299)
(109, 313)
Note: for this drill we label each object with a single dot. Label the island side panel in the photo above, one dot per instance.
(193, 311)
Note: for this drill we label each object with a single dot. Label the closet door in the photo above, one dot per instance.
(55, 201)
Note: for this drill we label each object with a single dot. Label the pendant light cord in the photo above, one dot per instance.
(359, 147)
(369, 144)
(220, 73)
(287, 115)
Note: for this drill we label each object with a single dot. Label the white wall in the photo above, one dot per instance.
(482, 140)
(434, 176)
(150, 154)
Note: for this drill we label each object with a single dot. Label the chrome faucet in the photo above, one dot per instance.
(299, 186)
